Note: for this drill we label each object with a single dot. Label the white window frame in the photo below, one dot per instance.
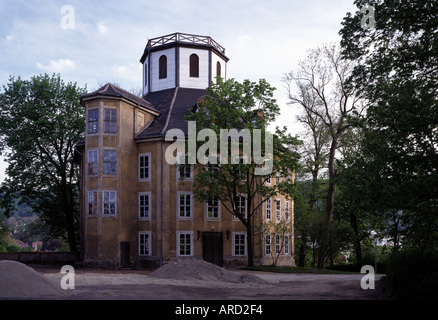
(277, 243)
(207, 206)
(93, 158)
(114, 152)
(277, 210)
(268, 240)
(269, 209)
(187, 234)
(244, 196)
(148, 168)
(110, 123)
(178, 205)
(286, 244)
(286, 210)
(92, 195)
(140, 206)
(147, 245)
(109, 192)
(186, 167)
(95, 128)
(277, 178)
(239, 234)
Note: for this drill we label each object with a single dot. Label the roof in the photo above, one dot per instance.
(173, 105)
(182, 39)
(111, 90)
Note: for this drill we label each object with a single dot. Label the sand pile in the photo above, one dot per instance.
(20, 281)
(202, 270)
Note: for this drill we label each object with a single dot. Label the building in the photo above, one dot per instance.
(134, 210)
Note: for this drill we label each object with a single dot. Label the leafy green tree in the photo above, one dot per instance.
(325, 96)
(230, 176)
(41, 119)
(397, 73)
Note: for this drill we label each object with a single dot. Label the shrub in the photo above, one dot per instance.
(413, 274)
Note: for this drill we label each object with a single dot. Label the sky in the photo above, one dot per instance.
(95, 42)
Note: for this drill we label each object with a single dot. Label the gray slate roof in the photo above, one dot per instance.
(172, 116)
(112, 90)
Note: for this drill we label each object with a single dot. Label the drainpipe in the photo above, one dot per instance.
(161, 204)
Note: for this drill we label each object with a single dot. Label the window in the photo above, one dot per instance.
(277, 244)
(110, 121)
(93, 120)
(213, 208)
(109, 161)
(286, 210)
(185, 243)
(144, 205)
(239, 244)
(218, 69)
(277, 178)
(92, 202)
(144, 170)
(277, 210)
(92, 162)
(268, 244)
(162, 67)
(268, 209)
(286, 244)
(184, 171)
(194, 66)
(144, 243)
(109, 203)
(184, 204)
(241, 206)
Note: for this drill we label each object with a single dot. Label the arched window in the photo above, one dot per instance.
(218, 69)
(162, 68)
(194, 66)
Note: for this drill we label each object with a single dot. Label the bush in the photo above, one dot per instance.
(412, 274)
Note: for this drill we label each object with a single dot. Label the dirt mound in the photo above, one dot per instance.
(20, 281)
(202, 270)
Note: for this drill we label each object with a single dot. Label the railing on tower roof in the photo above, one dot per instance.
(184, 38)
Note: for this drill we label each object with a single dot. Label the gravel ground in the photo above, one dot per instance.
(91, 284)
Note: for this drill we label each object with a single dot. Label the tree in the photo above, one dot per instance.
(234, 176)
(397, 73)
(41, 119)
(324, 94)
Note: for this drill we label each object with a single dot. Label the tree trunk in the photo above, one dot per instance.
(356, 241)
(329, 203)
(250, 250)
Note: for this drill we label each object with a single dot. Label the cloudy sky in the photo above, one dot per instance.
(94, 42)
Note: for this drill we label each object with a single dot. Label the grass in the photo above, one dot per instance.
(286, 269)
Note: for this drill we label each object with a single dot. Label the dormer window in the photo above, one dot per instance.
(194, 66)
(162, 67)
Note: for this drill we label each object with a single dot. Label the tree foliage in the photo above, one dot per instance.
(231, 105)
(396, 167)
(41, 119)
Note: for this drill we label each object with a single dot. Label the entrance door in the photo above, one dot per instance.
(212, 247)
(125, 260)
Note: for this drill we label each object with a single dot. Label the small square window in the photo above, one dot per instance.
(92, 162)
(110, 121)
(93, 120)
(109, 161)
(109, 203)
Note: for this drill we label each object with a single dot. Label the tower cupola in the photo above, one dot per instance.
(182, 60)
